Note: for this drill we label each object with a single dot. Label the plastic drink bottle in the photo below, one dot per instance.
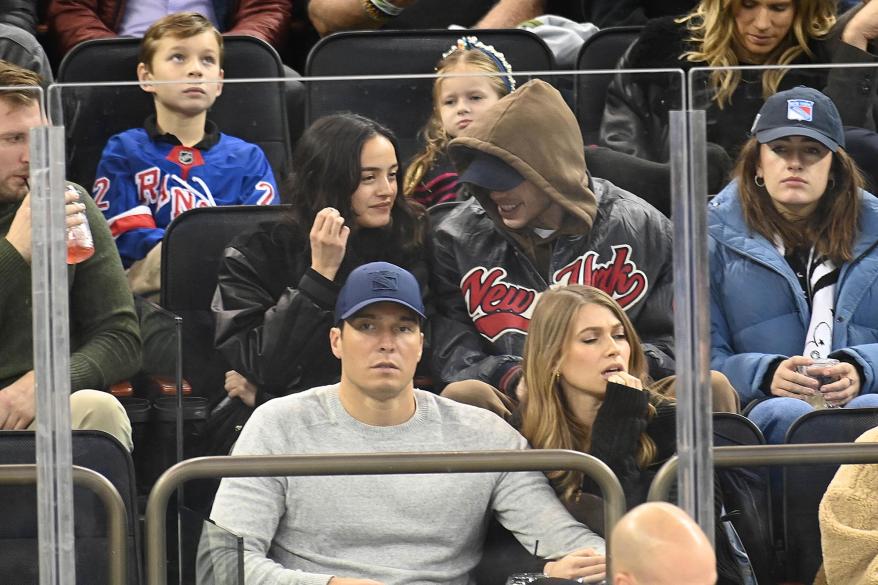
(80, 245)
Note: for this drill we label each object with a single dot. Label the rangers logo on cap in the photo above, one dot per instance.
(800, 110)
(384, 280)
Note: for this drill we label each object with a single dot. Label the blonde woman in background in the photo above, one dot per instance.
(719, 33)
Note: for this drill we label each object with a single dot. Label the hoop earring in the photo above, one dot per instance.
(831, 184)
(756, 179)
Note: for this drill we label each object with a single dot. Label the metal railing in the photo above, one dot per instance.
(801, 454)
(367, 464)
(117, 516)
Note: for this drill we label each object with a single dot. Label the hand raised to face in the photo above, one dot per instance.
(329, 238)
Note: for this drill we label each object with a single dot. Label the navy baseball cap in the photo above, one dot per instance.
(491, 173)
(801, 111)
(378, 282)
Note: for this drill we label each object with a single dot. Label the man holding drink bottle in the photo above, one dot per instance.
(104, 334)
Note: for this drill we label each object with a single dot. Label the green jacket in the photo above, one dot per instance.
(104, 333)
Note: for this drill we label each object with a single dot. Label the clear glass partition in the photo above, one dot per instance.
(631, 157)
(217, 557)
(786, 185)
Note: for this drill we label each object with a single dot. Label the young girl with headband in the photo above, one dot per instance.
(457, 102)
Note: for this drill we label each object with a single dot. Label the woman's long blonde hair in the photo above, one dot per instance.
(547, 421)
(433, 134)
(712, 28)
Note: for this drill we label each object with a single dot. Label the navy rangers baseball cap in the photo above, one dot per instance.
(801, 111)
(378, 282)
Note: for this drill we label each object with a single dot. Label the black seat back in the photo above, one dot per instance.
(93, 115)
(602, 50)
(733, 429)
(403, 105)
(93, 450)
(191, 252)
(747, 493)
(804, 486)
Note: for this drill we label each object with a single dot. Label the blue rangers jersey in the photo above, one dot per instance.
(145, 179)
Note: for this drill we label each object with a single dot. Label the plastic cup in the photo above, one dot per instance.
(815, 371)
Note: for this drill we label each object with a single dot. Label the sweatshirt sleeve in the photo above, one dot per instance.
(102, 315)
(620, 421)
(252, 508)
(528, 507)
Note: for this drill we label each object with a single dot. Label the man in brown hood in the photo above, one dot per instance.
(537, 219)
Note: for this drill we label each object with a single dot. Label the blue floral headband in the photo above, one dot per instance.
(464, 43)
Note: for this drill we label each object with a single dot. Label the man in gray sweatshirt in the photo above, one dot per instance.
(392, 529)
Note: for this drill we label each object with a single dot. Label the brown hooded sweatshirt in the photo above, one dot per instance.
(557, 169)
(487, 277)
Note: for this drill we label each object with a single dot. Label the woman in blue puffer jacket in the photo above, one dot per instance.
(793, 267)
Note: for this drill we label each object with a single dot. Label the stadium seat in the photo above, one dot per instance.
(747, 493)
(600, 51)
(92, 114)
(804, 486)
(94, 450)
(191, 251)
(402, 105)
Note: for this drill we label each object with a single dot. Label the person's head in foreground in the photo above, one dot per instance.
(754, 32)
(181, 46)
(378, 337)
(796, 181)
(579, 339)
(659, 544)
(458, 100)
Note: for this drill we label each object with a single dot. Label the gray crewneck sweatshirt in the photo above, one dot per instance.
(397, 529)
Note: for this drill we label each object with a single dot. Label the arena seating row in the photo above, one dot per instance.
(94, 113)
(803, 488)
(199, 236)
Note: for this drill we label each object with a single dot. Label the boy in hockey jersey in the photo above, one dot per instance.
(179, 160)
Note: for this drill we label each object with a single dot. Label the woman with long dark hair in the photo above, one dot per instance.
(277, 286)
(794, 263)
